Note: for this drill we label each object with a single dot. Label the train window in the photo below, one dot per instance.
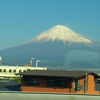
(14, 71)
(28, 69)
(0, 70)
(20, 71)
(24, 70)
(10, 70)
(4, 70)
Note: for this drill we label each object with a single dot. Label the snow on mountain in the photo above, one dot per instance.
(60, 32)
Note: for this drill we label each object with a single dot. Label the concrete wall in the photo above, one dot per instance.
(45, 96)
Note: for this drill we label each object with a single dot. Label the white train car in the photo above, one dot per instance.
(10, 71)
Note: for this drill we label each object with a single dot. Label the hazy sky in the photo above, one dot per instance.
(21, 20)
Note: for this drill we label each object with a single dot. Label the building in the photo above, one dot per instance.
(10, 71)
(61, 81)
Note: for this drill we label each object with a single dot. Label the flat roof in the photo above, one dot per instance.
(55, 73)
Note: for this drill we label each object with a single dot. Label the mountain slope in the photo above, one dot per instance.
(53, 47)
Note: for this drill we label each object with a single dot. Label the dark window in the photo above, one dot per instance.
(28, 69)
(31, 81)
(76, 85)
(10, 70)
(97, 84)
(24, 70)
(4, 70)
(58, 82)
(0, 70)
(20, 71)
(14, 71)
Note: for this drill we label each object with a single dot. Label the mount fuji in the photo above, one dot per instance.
(60, 32)
(59, 46)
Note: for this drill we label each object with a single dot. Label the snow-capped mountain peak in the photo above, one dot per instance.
(60, 32)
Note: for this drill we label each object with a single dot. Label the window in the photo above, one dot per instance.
(34, 81)
(31, 81)
(28, 69)
(76, 85)
(97, 84)
(24, 70)
(57, 82)
(4, 70)
(10, 70)
(0, 70)
(14, 71)
(20, 71)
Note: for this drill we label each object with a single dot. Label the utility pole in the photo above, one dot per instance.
(85, 88)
